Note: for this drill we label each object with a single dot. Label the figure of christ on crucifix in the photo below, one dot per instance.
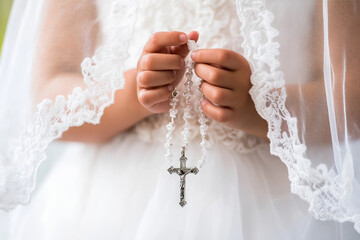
(182, 172)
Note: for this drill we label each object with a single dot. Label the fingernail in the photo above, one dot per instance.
(171, 88)
(141, 92)
(182, 62)
(193, 55)
(183, 37)
(203, 102)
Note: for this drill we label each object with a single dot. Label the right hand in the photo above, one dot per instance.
(160, 68)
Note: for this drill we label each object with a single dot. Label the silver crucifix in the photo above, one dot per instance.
(182, 172)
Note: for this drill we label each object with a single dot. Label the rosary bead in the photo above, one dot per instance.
(186, 133)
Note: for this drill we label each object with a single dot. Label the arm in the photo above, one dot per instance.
(226, 84)
(123, 114)
(68, 35)
(344, 47)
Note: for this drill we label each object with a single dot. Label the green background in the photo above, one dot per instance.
(5, 6)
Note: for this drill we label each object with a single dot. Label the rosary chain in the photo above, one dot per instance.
(171, 125)
(190, 65)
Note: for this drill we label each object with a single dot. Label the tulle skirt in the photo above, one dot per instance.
(122, 190)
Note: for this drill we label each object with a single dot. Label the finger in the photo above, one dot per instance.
(194, 35)
(217, 113)
(183, 50)
(215, 76)
(217, 95)
(159, 61)
(149, 97)
(161, 107)
(149, 79)
(160, 40)
(222, 57)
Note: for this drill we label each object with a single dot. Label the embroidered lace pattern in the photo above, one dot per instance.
(325, 190)
(217, 23)
(83, 105)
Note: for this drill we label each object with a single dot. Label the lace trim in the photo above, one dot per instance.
(323, 189)
(103, 75)
(154, 126)
(217, 22)
(150, 129)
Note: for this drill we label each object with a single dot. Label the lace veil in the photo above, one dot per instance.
(304, 56)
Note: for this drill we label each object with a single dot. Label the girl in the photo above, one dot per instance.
(116, 186)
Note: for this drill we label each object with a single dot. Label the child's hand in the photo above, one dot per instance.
(226, 86)
(160, 68)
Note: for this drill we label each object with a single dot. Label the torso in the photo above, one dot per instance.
(219, 27)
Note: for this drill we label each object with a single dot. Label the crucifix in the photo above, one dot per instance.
(182, 172)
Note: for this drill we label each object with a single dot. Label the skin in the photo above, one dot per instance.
(344, 35)
(148, 87)
(160, 68)
(226, 74)
(226, 86)
(60, 52)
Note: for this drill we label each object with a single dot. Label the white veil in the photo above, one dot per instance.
(26, 134)
(15, 67)
(313, 124)
(310, 106)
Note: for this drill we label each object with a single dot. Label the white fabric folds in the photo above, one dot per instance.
(306, 85)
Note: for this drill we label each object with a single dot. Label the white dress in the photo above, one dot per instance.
(122, 190)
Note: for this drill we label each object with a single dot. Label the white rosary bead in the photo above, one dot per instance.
(190, 65)
(171, 126)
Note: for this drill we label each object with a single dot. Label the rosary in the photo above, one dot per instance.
(182, 171)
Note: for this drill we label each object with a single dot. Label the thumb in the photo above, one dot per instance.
(183, 50)
(193, 35)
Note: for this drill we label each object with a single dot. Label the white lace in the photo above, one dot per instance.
(324, 190)
(217, 23)
(52, 119)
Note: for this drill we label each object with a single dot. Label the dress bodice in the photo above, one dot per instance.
(218, 26)
(215, 20)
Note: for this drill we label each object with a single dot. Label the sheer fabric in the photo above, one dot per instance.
(304, 74)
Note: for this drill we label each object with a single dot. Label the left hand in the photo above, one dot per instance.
(226, 86)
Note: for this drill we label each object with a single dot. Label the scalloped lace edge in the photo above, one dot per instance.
(83, 105)
(324, 190)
